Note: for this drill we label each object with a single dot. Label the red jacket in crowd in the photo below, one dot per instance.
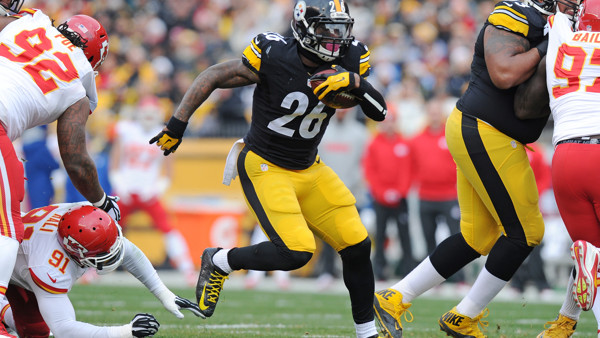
(387, 168)
(541, 168)
(435, 170)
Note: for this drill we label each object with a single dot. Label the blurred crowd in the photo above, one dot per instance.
(419, 49)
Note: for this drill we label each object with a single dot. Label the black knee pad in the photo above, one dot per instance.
(295, 259)
(357, 251)
(506, 256)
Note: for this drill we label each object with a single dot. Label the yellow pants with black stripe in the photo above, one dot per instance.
(294, 205)
(497, 191)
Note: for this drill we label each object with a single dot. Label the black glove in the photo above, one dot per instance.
(542, 47)
(340, 81)
(109, 204)
(144, 325)
(187, 304)
(170, 137)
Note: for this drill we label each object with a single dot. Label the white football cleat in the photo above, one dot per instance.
(585, 257)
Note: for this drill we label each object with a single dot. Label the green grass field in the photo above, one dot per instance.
(243, 313)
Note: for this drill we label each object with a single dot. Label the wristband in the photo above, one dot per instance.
(177, 126)
(100, 202)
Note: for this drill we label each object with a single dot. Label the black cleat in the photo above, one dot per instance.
(210, 283)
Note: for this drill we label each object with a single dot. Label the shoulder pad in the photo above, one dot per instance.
(357, 58)
(252, 55)
(514, 16)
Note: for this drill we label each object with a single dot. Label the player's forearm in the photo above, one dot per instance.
(63, 323)
(77, 329)
(509, 58)
(73, 151)
(227, 74)
(515, 70)
(141, 268)
(82, 172)
(372, 102)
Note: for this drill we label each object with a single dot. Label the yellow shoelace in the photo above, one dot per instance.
(402, 310)
(484, 323)
(566, 324)
(215, 283)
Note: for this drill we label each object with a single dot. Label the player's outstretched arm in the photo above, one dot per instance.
(228, 74)
(141, 268)
(532, 98)
(58, 313)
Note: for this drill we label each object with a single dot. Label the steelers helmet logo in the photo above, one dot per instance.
(300, 10)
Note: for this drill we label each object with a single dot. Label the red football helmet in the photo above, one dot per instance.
(93, 35)
(92, 238)
(588, 17)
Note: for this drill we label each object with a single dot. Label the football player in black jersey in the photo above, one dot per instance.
(497, 191)
(293, 194)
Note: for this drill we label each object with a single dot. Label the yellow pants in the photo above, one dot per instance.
(294, 205)
(497, 191)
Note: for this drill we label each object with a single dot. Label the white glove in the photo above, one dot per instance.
(174, 303)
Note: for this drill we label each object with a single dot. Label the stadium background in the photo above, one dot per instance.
(418, 49)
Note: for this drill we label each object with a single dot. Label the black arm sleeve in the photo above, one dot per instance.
(372, 102)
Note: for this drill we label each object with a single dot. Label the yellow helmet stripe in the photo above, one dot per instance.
(338, 5)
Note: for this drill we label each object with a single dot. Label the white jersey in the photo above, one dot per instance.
(44, 268)
(41, 259)
(572, 72)
(140, 163)
(41, 73)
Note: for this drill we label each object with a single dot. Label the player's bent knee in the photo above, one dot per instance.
(357, 251)
(296, 260)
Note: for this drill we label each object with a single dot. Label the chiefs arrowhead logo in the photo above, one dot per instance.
(74, 246)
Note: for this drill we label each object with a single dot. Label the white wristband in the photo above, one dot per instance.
(100, 202)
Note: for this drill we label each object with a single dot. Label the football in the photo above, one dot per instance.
(340, 100)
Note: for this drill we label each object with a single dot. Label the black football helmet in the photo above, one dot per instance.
(323, 27)
(12, 5)
(546, 7)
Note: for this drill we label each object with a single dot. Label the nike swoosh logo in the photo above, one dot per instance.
(52, 279)
(201, 303)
